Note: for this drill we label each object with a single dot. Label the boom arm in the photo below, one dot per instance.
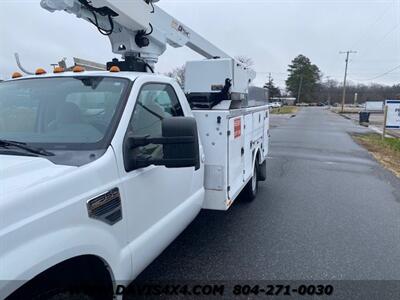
(136, 28)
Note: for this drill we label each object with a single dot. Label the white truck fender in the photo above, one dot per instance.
(51, 249)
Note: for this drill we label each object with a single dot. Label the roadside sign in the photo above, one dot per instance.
(393, 114)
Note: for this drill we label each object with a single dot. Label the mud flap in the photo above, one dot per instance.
(262, 171)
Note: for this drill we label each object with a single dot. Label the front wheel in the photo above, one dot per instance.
(251, 189)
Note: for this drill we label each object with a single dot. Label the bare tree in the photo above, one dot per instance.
(245, 60)
(178, 74)
(332, 90)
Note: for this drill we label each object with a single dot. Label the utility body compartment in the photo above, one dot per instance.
(208, 76)
(233, 140)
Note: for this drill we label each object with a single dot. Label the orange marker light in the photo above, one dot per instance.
(40, 71)
(16, 75)
(78, 69)
(58, 70)
(115, 69)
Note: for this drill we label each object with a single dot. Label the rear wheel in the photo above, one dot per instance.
(251, 189)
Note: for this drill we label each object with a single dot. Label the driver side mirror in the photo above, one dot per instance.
(179, 144)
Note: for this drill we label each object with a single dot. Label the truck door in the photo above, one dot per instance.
(154, 192)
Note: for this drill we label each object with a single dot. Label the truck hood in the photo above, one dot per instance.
(19, 173)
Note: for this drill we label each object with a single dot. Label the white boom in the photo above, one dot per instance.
(136, 28)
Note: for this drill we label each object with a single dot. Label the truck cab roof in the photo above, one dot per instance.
(127, 75)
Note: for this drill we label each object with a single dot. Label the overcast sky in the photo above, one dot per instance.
(271, 32)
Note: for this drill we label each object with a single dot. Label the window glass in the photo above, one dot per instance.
(59, 112)
(155, 103)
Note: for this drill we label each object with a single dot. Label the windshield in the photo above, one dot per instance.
(60, 113)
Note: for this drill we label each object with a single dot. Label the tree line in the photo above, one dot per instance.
(332, 91)
(305, 83)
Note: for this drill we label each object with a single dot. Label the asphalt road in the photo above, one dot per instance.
(328, 211)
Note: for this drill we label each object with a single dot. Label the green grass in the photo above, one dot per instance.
(347, 110)
(285, 110)
(386, 151)
(393, 143)
(376, 139)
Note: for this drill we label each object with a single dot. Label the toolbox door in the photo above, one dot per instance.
(236, 156)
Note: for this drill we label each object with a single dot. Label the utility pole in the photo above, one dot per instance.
(269, 86)
(345, 75)
(300, 88)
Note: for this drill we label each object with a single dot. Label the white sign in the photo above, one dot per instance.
(374, 105)
(393, 114)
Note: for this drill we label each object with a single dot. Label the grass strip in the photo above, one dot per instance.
(285, 110)
(386, 151)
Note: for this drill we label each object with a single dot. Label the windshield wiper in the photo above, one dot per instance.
(26, 147)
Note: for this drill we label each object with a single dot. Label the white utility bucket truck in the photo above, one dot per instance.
(101, 171)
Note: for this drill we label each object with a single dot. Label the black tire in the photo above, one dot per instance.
(73, 292)
(251, 189)
(262, 171)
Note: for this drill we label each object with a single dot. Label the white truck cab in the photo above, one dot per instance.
(83, 194)
(101, 171)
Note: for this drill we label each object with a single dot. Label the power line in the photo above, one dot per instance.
(389, 32)
(384, 74)
(379, 43)
(267, 72)
(367, 29)
(366, 33)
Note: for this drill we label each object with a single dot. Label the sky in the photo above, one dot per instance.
(271, 32)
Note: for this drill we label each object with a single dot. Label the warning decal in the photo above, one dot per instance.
(238, 127)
